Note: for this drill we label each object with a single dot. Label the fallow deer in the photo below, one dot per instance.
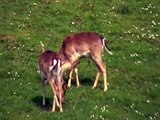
(49, 65)
(82, 44)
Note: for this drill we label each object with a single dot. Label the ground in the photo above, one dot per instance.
(131, 29)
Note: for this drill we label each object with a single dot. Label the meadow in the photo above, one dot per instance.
(132, 32)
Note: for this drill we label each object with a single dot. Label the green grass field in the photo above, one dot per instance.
(132, 30)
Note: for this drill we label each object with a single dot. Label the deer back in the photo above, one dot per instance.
(81, 44)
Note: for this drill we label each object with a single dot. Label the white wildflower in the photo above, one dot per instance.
(92, 116)
(73, 23)
(35, 4)
(155, 85)
(150, 117)
(95, 107)
(136, 111)
(153, 22)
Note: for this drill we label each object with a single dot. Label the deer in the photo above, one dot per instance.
(49, 65)
(82, 44)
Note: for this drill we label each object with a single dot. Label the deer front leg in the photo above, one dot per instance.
(61, 109)
(77, 78)
(70, 78)
(54, 105)
(44, 94)
(44, 91)
(60, 103)
(55, 100)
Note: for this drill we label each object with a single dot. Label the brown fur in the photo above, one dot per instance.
(82, 44)
(58, 86)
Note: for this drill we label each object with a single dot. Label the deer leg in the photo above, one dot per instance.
(54, 105)
(43, 89)
(60, 99)
(77, 78)
(55, 97)
(70, 78)
(72, 67)
(44, 93)
(102, 67)
(60, 106)
(96, 80)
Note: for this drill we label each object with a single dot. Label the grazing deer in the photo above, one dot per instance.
(49, 65)
(82, 44)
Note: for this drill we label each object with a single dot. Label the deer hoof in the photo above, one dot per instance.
(105, 89)
(53, 111)
(69, 86)
(43, 104)
(78, 86)
(61, 110)
(93, 87)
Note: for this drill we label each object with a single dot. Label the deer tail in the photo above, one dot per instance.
(106, 47)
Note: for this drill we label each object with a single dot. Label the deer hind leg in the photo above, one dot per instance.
(102, 68)
(96, 80)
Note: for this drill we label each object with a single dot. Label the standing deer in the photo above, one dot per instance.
(82, 44)
(49, 65)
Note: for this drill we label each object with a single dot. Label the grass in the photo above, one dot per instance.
(132, 32)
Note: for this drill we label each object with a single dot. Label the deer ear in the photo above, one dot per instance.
(54, 63)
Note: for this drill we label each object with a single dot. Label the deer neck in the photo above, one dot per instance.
(62, 56)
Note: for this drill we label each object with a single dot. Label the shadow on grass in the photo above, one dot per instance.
(82, 81)
(88, 83)
(38, 102)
